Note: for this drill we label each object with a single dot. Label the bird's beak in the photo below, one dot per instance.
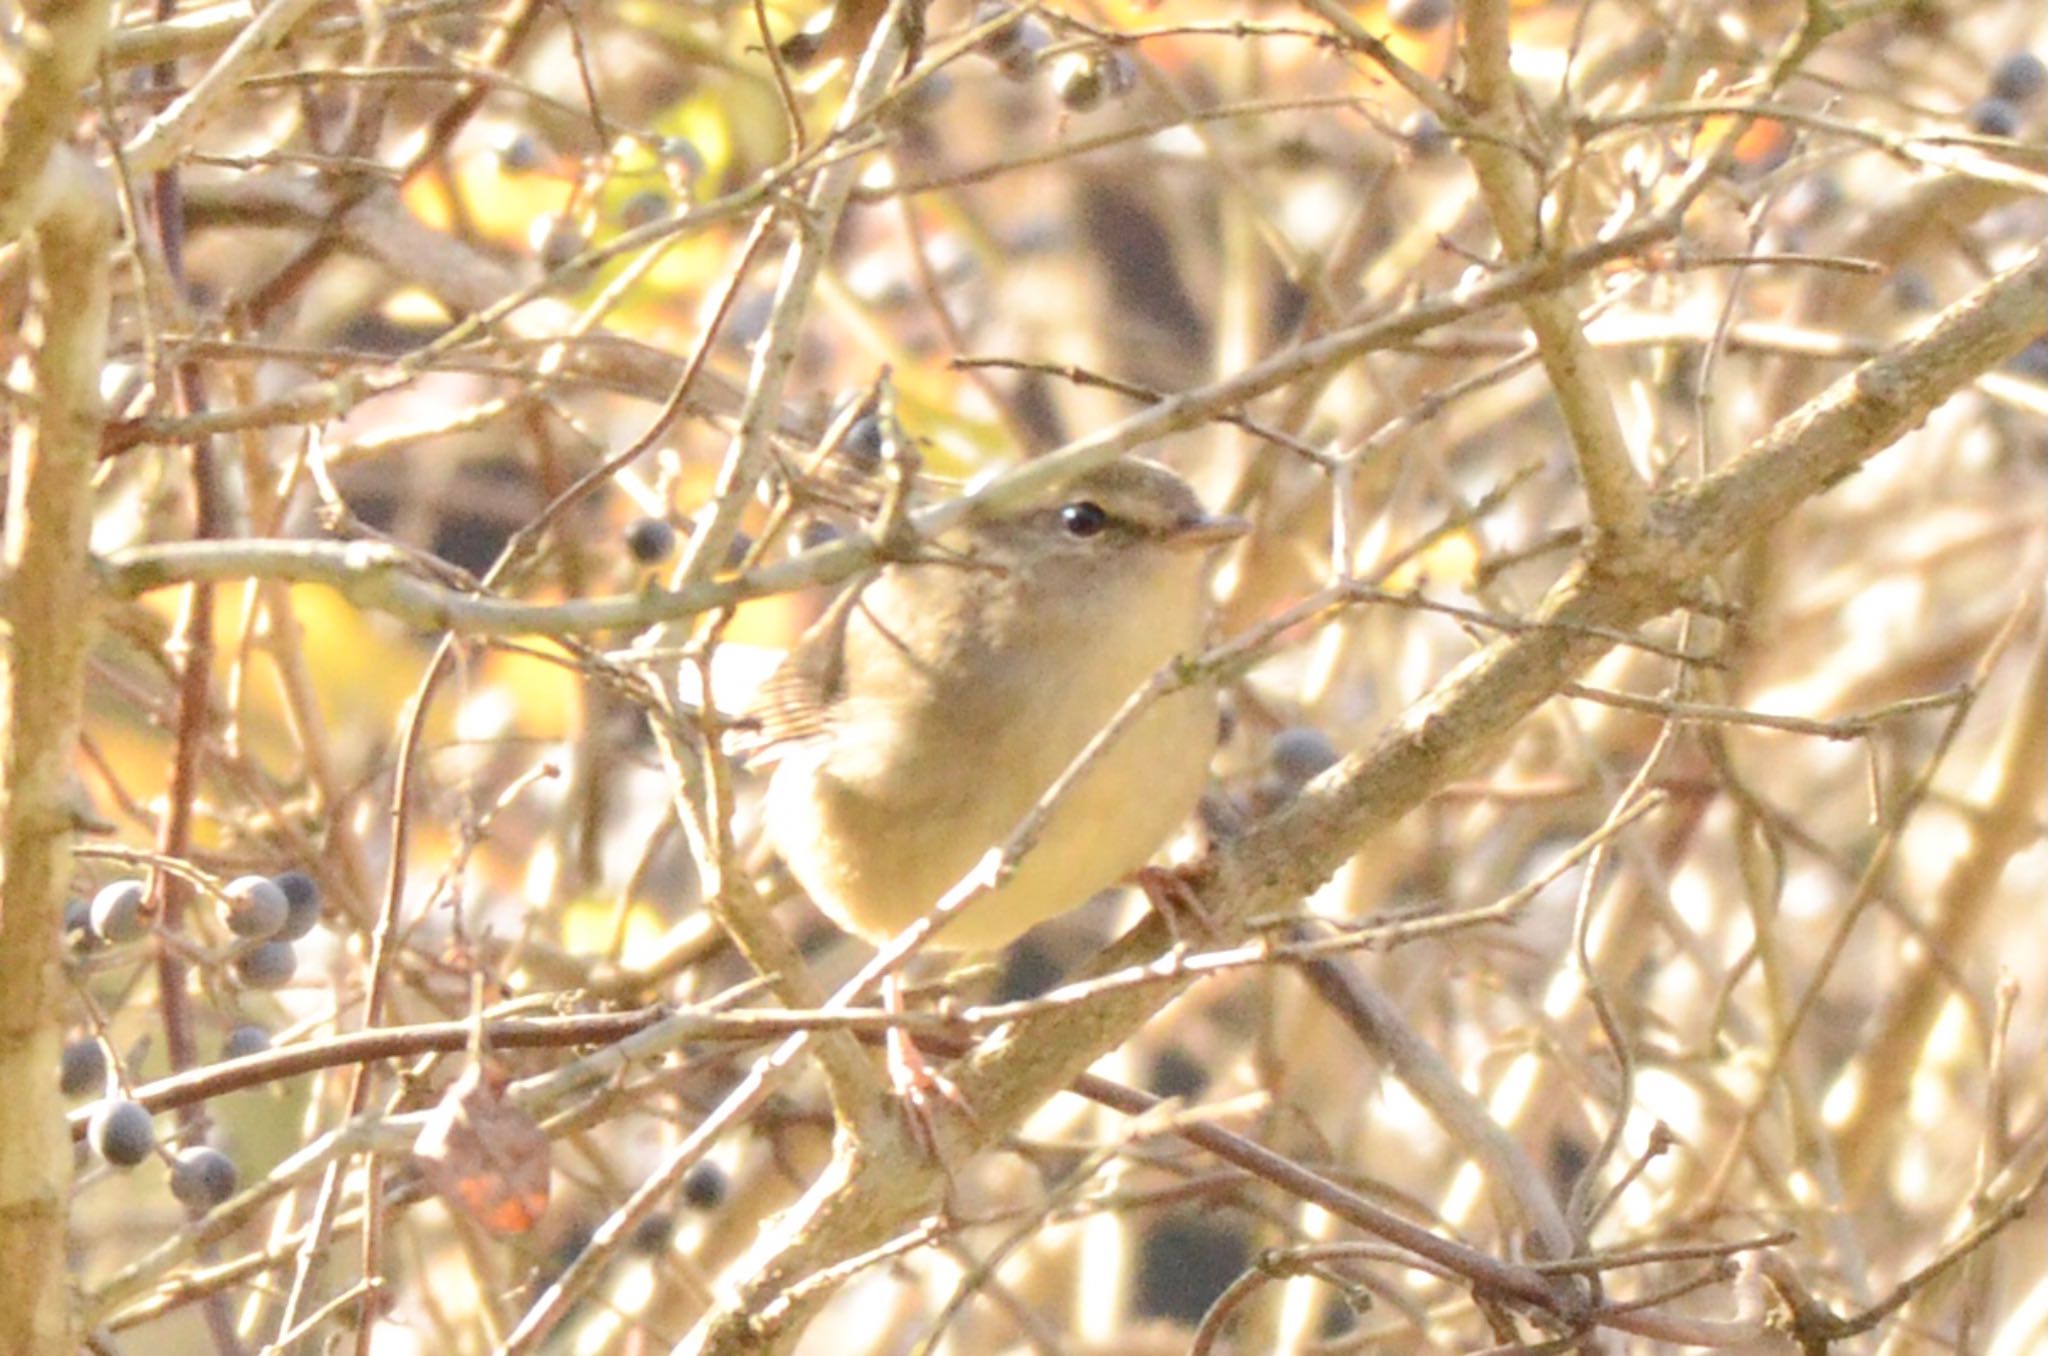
(1202, 531)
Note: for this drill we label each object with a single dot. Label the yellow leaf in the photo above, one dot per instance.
(590, 925)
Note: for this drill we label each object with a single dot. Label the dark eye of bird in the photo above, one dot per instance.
(1084, 518)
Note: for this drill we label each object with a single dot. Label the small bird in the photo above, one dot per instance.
(931, 707)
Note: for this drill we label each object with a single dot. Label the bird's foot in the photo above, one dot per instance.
(1171, 890)
(923, 1090)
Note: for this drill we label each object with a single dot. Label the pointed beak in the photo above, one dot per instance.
(1204, 531)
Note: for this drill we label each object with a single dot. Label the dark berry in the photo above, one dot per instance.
(84, 1068)
(117, 912)
(557, 240)
(1176, 1073)
(2019, 78)
(302, 893)
(266, 965)
(863, 444)
(254, 906)
(1184, 1263)
(705, 1186)
(651, 1235)
(648, 205)
(800, 49)
(1027, 972)
(202, 1178)
(121, 1132)
(568, 1248)
(1419, 16)
(817, 532)
(650, 541)
(1993, 118)
(1119, 73)
(1299, 753)
(1021, 58)
(520, 154)
(78, 933)
(1911, 291)
(1002, 41)
(2031, 361)
(927, 93)
(245, 1040)
(1078, 81)
(683, 155)
(1426, 134)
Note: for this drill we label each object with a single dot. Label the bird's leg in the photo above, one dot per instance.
(1170, 890)
(920, 1086)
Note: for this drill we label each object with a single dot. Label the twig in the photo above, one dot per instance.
(373, 577)
(172, 131)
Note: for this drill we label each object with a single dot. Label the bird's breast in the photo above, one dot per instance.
(952, 739)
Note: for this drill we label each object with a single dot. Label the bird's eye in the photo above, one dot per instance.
(1083, 518)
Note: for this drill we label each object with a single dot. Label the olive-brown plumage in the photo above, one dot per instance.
(933, 705)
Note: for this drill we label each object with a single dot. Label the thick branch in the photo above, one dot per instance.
(58, 51)
(1616, 499)
(49, 517)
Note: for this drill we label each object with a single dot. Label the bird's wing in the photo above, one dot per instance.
(795, 704)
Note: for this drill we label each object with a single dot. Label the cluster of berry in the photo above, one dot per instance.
(265, 915)
(2015, 83)
(1081, 77)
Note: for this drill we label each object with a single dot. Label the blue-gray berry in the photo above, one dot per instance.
(652, 1235)
(1299, 753)
(1994, 117)
(302, 893)
(245, 1040)
(520, 154)
(1427, 136)
(202, 1178)
(2031, 361)
(1002, 41)
(254, 906)
(557, 240)
(682, 153)
(817, 532)
(78, 933)
(267, 965)
(1020, 55)
(647, 205)
(121, 1132)
(1176, 1073)
(2019, 78)
(84, 1068)
(1419, 16)
(862, 445)
(117, 912)
(705, 1186)
(651, 541)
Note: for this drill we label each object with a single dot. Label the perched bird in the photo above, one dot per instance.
(932, 706)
